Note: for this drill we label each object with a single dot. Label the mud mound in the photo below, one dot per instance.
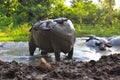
(18, 71)
(107, 68)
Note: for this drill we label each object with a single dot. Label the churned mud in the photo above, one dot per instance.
(106, 68)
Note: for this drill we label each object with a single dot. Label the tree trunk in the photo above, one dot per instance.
(110, 12)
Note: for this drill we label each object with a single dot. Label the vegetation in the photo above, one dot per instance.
(18, 16)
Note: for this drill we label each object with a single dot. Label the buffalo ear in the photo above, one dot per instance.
(87, 40)
(32, 28)
(60, 20)
(108, 45)
(65, 19)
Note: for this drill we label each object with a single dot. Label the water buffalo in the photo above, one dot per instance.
(115, 41)
(97, 43)
(53, 35)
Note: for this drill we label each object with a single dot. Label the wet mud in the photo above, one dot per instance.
(106, 68)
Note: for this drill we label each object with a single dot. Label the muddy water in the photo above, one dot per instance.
(18, 51)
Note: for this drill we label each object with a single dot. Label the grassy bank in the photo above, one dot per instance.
(21, 33)
(87, 30)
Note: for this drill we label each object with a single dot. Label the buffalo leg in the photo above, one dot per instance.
(32, 48)
(57, 56)
(70, 54)
(43, 52)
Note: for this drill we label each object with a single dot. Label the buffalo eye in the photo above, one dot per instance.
(97, 44)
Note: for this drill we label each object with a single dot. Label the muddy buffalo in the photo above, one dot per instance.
(53, 35)
(115, 41)
(97, 43)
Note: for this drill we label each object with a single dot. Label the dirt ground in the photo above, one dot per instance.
(107, 68)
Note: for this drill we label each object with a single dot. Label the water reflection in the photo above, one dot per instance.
(18, 51)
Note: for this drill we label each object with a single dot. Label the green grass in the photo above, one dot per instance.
(14, 38)
(21, 33)
(87, 30)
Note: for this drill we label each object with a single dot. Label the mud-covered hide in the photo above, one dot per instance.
(53, 35)
(97, 43)
(115, 41)
(42, 25)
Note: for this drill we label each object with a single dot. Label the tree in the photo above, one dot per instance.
(83, 11)
(109, 4)
(59, 9)
(36, 9)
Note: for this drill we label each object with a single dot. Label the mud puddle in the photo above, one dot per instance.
(18, 51)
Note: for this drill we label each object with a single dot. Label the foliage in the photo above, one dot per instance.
(59, 9)
(15, 34)
(87, 30)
